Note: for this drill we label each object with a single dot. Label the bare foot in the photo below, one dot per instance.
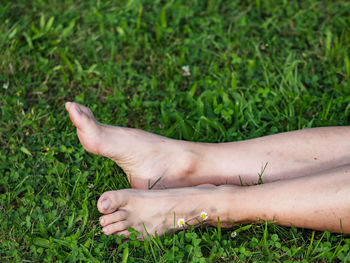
(161, 211)
(146, 158)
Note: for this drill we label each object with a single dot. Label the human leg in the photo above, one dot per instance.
(147, 157)
(320, 201)
(286, 155)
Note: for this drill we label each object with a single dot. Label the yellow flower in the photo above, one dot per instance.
(47, 149)
(181, 222)
(18, 94)
(204, 215)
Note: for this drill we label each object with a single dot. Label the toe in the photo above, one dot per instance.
(124, 233)
(116, 227)
(110, 201)
(68, 104)
(79, 115)
(75, 114)
(113, 218)
(84, 110)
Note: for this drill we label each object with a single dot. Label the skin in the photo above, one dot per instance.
(311, 182)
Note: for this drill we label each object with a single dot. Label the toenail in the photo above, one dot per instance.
(102, 221)
(105, 204)
(104, 230)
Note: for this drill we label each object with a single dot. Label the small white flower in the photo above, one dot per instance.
(204, 216)
(186, 71)
(5, 85)
(233, 234)
(181, 222)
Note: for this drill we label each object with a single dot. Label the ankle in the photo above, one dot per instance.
(230, 203)
(200, 162)
(191, 161)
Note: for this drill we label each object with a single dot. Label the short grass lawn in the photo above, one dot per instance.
(252, 68)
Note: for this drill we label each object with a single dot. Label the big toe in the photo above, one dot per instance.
(80, 115)
(111, 201)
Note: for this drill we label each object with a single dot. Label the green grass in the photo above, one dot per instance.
(257, 68)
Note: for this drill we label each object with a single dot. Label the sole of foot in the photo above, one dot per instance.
(147, 159)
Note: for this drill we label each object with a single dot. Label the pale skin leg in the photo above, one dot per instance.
(146, 157)
(320, 201)
(287, 155)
